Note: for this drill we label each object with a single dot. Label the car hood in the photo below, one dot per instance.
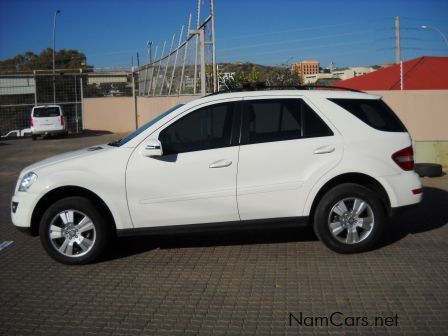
(81, 153)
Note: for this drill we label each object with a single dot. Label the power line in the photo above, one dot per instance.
(359, 42)
(332, 53)
(299, 30)
(297, 40)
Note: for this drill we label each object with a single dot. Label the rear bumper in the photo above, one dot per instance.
(401, 189)
(62, 131)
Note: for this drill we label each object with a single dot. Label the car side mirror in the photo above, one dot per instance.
(153, 147)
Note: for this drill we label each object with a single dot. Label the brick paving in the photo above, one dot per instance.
(241, 283)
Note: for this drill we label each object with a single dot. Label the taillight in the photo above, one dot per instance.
(404, 158)
(62, 120)
(31, 121)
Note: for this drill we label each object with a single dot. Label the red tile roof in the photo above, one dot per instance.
(423, 73)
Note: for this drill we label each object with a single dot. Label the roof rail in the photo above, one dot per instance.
(261, 87)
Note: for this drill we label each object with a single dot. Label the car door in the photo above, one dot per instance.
(195, 179)
(286, 146)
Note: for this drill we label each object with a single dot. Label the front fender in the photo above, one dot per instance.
(109, 190)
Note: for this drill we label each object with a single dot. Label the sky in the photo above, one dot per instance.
(274, 32)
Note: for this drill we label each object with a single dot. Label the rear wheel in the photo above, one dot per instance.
(72, 231)
(349, 218)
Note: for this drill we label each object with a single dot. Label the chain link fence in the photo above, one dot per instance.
(19, 93)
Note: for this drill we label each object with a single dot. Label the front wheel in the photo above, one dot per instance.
(349, 218)
(72, 231)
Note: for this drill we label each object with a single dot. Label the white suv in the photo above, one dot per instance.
(340, 161)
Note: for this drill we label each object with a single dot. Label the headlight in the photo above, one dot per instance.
(27, 180)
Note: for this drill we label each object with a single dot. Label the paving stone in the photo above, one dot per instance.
(244, 283)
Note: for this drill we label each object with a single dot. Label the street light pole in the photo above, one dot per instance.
(437, 30)
(54, 46)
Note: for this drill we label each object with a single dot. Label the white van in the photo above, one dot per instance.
(47, 119)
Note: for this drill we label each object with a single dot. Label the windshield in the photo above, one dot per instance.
(121, 142)
(46, 112)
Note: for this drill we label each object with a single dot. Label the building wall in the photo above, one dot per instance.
(113, 114)
(306, 67)
(150, 107)
(425, 114)
(116, 114)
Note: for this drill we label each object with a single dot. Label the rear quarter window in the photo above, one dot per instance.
(373, 112)
(46, 112)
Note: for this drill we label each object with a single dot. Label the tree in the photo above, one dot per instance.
(29, 61)
(240, 78)
(282, 76)
(261, 75)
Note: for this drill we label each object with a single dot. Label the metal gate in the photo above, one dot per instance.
(67, 88)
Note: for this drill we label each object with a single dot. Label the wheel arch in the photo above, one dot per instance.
(63, 192)
(358, 178)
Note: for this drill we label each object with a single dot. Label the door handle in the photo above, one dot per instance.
(220, 164)
(324, 150)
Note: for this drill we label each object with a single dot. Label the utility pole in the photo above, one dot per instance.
(215, 69)
(397, 41)
(54, 47)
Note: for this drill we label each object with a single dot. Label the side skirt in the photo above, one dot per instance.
(256, 224)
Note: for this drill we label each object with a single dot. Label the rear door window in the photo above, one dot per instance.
(46, 112)
(373, 112)
(281, 119)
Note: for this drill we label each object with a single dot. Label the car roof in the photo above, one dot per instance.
(49, 105)
(290, 93)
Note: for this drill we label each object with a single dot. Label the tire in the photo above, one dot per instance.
(428, 169)
(340, 227)
(34, 137)
(73, 232)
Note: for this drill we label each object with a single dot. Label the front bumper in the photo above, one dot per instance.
(22, 205)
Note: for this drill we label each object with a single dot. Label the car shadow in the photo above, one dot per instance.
(128, 246)
(429, 215)
(89, 133)
(84, 134)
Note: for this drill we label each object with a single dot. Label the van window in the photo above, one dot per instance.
(46, 112)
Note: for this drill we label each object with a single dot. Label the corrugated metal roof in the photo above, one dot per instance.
(423, 73)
